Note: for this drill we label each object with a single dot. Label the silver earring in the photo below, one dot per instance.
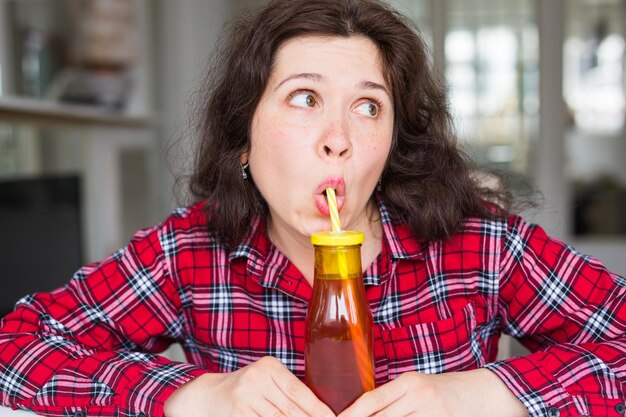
(244, 167)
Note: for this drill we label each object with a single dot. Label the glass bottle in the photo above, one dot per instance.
(339, 364)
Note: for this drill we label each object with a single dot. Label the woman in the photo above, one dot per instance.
(309, 95)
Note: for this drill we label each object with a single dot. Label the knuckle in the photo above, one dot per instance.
(269, 361)
(408, 376)
(376, 396)
(412, 379)
(252, 373)
(367, 397)
(248, 377)
(238, 410)
(290, 409)
(429, 390)
(239, 391)
(294, 390)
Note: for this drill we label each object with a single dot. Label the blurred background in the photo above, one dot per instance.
(93, 92)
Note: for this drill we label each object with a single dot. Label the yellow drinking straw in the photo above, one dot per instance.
(336, 225)
(334, 212)
(363, 359)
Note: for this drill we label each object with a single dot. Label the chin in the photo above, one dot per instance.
(316, 226)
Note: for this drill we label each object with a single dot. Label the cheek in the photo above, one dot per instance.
(276, 148)
(282, 148)
(277, 157)
(378, 146)
(384, 145)
(265, 137)
(374, 160)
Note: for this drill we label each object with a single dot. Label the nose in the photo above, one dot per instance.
(335, 141)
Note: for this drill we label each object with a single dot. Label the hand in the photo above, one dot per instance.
(472, 393)
(264, 388)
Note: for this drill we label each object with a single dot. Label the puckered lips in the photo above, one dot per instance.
(321, 203)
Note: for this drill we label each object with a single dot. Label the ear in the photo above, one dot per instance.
(244, 158)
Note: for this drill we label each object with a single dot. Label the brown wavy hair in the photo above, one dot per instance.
(427, 182)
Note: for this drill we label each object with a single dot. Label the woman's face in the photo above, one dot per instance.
(325, 119)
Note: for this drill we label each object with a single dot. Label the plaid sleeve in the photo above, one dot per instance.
(90, 346)
(569, 310)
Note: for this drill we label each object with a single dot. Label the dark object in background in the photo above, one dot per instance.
(40, 235)
(600, 208)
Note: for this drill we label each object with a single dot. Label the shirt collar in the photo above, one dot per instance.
(400, 240)
(254, 246)
(266, 263)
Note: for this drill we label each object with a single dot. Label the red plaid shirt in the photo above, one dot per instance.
(90, 347)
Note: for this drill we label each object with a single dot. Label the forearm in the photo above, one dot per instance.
(51, 375)
(488, 395)
(581, 379)
(49, 372)
(189, 399)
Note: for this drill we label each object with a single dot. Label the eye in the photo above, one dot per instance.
(303, 99)
(369, 109)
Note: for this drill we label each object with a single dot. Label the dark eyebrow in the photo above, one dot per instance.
(306, 75)
(367, 85)
(370, 85)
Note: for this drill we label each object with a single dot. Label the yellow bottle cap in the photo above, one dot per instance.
(342, 238)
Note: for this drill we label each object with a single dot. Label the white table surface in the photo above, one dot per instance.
(7, 412)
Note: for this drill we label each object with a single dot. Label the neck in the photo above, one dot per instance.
(298, 249)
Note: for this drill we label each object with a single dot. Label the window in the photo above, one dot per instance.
(594, 93)
(491, 50)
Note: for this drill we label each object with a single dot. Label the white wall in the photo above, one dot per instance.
(185, 33)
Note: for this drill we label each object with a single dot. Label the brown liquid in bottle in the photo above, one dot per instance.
(338, 352)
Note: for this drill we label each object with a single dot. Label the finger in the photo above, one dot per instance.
(300, 394)
(374, 401)
(264, 408)
(402, 407)
(283, 403)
